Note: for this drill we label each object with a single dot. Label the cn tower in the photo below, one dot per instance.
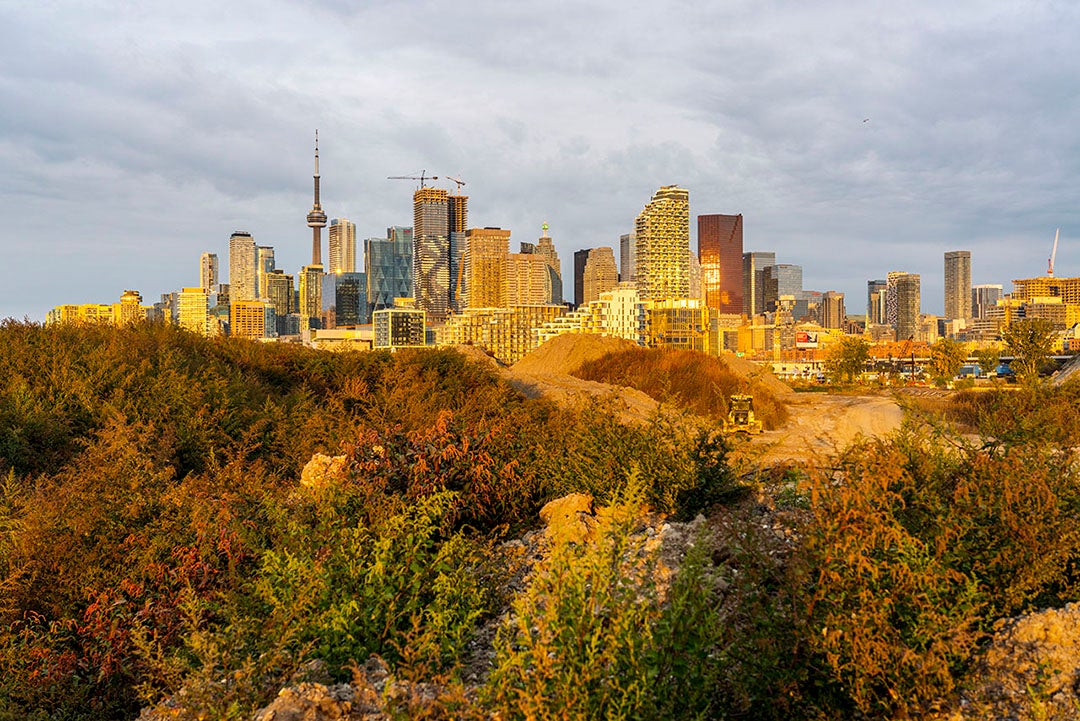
(316, 219)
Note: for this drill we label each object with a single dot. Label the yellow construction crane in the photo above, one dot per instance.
(459, 182)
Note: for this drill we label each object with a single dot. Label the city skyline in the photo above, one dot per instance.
(875, 135)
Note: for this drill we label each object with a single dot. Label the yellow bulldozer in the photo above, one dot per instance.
(741, 416)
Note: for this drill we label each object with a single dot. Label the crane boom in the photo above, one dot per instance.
(1053, 254)
(422, 177)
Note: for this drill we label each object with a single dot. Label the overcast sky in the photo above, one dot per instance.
(855, 138)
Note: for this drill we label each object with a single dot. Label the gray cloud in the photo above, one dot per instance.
(135, 137)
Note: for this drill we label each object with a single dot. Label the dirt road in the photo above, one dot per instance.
(821, 424)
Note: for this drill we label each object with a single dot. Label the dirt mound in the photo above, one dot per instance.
(566, 353)
(1030, 670)
(1070, 371)
(478, 355)
(758, 374)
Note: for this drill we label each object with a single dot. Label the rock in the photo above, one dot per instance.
(322, 470)
(309, 702)
(570, 519)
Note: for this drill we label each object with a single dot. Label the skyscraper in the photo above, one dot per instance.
(528, 279)
(628, 257)
(316, 218)
(720, 252)
(431, 252)
(779, 280)
(958, 284)
(243, 267)
(581, 257)
(876, 291)
(753, 267)
(342, 246)
(663, 244)
(600, 275)
(484, 278)
(344, 300)
(208, 272)
(546, 247)
(388, 267)
(458, 208)
(193, 311)
(264, 266)
(280, 292)
(831, 309)
(984, 297)
(908, 305)
(310, 296)
(891, 280)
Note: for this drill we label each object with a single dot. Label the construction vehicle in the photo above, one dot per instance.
(741, 416)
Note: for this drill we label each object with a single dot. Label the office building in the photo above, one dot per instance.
(281, 293)
(484, 274)
(193, 310)
(264, 266)
(983, 298)
(243, 267)
(388, 267)
(208, 272)
(600, 274)
(545, 247)
(958, 285)
(753, 279)
(344, 300)
(528, 279)
(309, 300)
(720, 253)
(342, 244)
(316, 218)
(908, 305)
(627, 257)
(831, 310)
(876, 293)
(252, 319)
(581, 257)
(663, 245)
(779, 280)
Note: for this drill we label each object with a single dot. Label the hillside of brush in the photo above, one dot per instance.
(162, 545)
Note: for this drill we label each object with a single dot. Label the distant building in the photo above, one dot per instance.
(778, 280)
(193, 310)
(663, 244)
(907, 305)
(388, 267)
(620, 313)
(581, 257)
(1048, 286)
(281, 293)
(253, 319)
(399, 327)
(753, 279)
(678, 324)
(528, 280)
(545, 247)
(506, 333)
(243, 267)
(600, 274)
(342, 246)
(484, 278)
(958, 285)
(720, 252)
(628, 258)
(264, 266)
(344, 300)
(831, 310)
(208, 272)
(876, 294)
(309, 304)
(439, 221)
(983, 298)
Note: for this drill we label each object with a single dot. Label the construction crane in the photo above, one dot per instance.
(1053, 254)
(422, 177)
(459, 182)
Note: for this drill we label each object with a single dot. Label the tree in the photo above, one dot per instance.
(946, 357)
(1030, 343)
(848, 357)
(988, 359)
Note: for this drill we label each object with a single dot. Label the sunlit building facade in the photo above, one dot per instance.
(958, 285)
(663, 244)
(388, 267)
(600, 274)
(720, 253)
(342, 246)
(484, 272)
(243, 267)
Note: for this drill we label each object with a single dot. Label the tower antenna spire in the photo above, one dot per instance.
(316, 219)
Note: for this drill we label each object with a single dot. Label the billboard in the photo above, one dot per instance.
(806, 339)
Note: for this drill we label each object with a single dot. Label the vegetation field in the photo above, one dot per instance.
(156, 541)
